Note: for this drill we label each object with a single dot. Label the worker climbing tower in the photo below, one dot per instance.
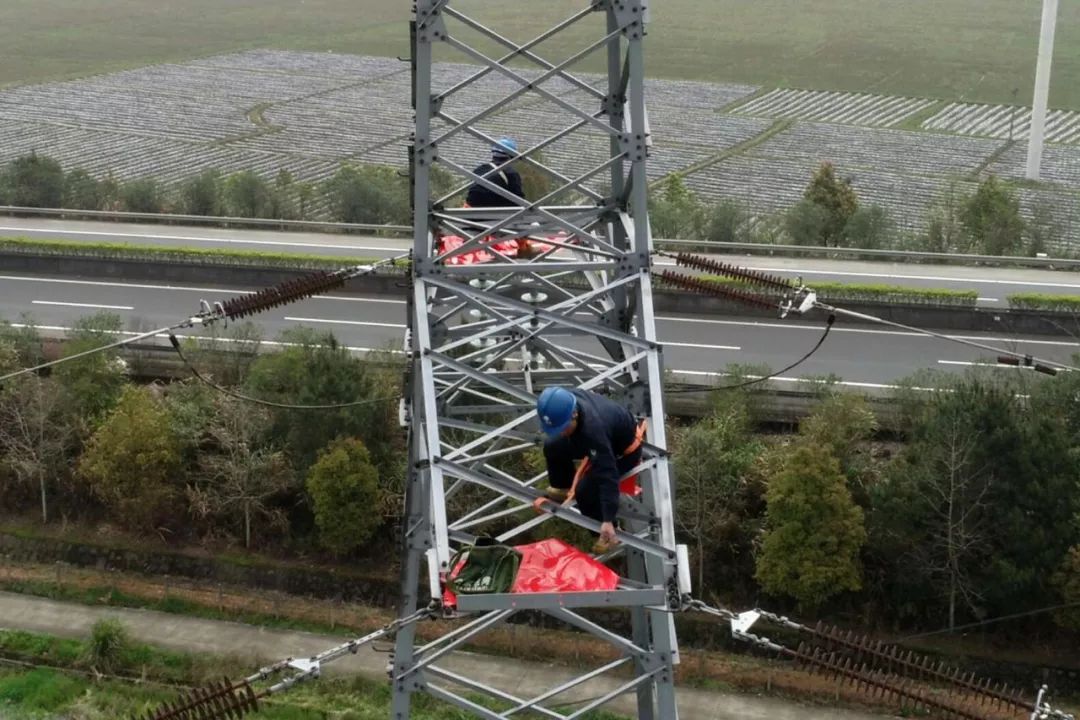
(504, 302)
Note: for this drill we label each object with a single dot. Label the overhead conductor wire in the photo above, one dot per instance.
(239, 307)
(809, 301)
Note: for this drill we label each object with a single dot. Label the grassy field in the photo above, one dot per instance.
(971, 49)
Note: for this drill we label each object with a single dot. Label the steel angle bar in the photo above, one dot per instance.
(428, 654)
(490, 454)
(568, 265)
(524, 205)
(550, 140)
(490, 517)
(474, 685)
(551, 312)
(428, 425)
(467, 630)
(523, 50)
(536, 86)
(537, 206)
(543, 601)
(529, 524)
(525, 495)
(608, 697)
(502, 404)
(464, 703)
(527, 85)
(481, 377)
(597, 379)
(560, 689)
(612, 638)
(457, 424)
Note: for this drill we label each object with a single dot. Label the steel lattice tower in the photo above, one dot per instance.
(484, 339)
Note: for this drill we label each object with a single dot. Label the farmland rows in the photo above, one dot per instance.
(315, 110)
(1062, 126)
(1061, 164)
(134, 156)
(880, 149)
(834, 107)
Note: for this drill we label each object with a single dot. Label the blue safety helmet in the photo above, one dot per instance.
(556, 408)
(505, 148)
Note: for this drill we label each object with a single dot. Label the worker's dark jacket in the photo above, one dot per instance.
(604, 431)
(507, 178)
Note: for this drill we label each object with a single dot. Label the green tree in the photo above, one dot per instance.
(945, 227)
(713, 460)
(36, 438)
(1067, 582)
(368, 194)
(92, 383)
(992, 218)
(344, 488)
(305, 197)
(726, 221)
(933, 504)
(317, 370)
(132, 463)
(82, 191)
(283, 201)
(815, 531)
(675, 211)
(837, 201)
(869, 227)
(239, 473)
(807, 223)
(842, 424)
(33, 181)
(202, 194)
(142, 196)
(247, 195)
(1043, 231)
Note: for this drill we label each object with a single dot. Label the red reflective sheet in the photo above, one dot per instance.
(554, 566)
(508, 248)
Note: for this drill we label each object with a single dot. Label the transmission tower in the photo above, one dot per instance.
(485, 338)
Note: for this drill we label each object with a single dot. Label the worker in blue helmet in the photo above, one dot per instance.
(499, 171)
(592, 442)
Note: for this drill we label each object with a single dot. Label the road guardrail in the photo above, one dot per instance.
(1049, 263)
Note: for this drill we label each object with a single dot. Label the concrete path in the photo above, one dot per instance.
(177, 632)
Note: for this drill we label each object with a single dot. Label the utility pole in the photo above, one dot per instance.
(1042, 88)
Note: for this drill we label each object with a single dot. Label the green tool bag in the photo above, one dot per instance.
(487, 569)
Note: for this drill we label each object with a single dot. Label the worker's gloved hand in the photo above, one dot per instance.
(607, 539)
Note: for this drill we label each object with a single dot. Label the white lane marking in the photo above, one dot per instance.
(182, 288)
(165, 336)
(934, 278)
(189, 238)
(703, 347)
(847, 383)
(994, 365)
(82, 305)
(863, 331)
(362, 323)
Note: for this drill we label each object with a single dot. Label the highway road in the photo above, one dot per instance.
(993, 284)
(696, 347)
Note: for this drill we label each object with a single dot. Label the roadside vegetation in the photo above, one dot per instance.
(971, 516)
(986, 222)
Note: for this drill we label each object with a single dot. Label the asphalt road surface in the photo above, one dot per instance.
(994, 285)
(696, 347)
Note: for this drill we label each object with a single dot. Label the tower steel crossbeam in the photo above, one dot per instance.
(569, 303)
